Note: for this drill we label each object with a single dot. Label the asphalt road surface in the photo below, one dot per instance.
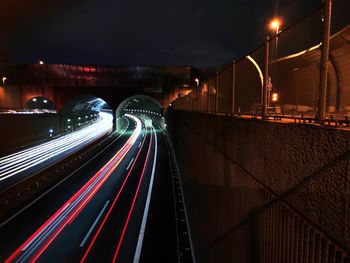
(118, 208)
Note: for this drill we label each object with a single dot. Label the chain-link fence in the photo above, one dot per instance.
(293, 82)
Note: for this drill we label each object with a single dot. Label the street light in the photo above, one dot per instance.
(276, 25)
(274, 97)
(41, 62)
(3, 84)
(197, 82)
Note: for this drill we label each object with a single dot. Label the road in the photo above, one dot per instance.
(18, 166)
(99, 214)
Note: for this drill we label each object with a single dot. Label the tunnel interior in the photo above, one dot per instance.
(143, 106)
(82, 110)
(40, 103)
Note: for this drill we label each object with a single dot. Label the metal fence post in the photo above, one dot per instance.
(233, 86)
(209, 95)
(324, 61)
(266, 77)
(192, 99)
(201, 98)
(217, 93)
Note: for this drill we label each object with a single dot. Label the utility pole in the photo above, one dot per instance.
(327, 10)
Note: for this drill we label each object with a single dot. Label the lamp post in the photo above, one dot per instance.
(3, 84)
(197, 82)
(197, 85)
(275, 25)
(322, 102)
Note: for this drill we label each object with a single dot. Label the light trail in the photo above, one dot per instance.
(120, 242)
(16, 163)
(92, 242)
(137, 255)
(35, 245)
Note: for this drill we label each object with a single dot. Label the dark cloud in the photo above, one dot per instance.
(200, 32)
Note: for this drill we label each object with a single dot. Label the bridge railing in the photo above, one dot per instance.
(293, 82)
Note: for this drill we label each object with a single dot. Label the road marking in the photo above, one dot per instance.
(121, 238)
(94, 184)
(94, 224)
(36, 236)
(148, 201)
(92, 242)
(127, 168)
(59, 183)
(140, 144)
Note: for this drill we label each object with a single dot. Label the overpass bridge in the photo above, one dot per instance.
(61, 83)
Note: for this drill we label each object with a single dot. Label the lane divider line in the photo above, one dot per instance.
(133, 203)
(127, 168)
(83, 194)
(94, 224)
(92, 242)
(148, 201)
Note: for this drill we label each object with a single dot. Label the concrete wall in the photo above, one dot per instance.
(249, 185)
(21, 130)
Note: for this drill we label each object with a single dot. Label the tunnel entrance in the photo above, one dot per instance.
(82, 111)
(142, 105)
(41, 104)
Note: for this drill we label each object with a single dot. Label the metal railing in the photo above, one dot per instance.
(286, 74)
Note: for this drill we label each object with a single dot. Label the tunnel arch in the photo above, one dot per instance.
(142, 105)
(40, 103)
(83, 110)
(85, 103)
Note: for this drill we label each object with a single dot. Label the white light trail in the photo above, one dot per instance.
(18, 162)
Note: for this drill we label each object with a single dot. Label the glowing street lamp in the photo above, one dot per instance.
(3, 80)
(274, 97)
(41, 62)
(275, 25)
(197, 82)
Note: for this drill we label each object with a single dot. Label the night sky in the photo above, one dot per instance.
(194, 32)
